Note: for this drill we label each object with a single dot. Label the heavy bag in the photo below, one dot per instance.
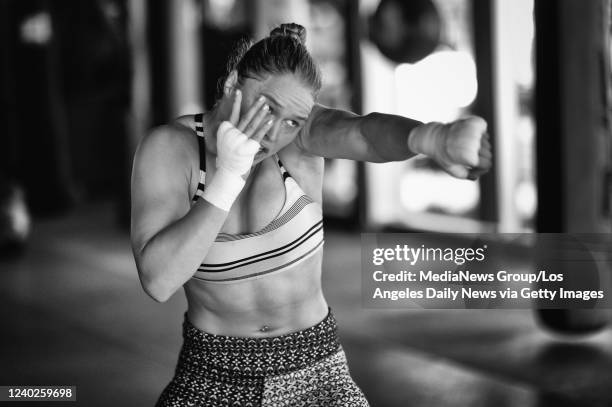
(405, 31)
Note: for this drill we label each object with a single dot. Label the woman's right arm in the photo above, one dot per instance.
(169, 239)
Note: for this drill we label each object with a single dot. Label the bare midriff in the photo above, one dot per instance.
(271, 305)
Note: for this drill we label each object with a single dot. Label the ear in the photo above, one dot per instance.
(230, 83)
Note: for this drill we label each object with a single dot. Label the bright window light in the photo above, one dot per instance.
(437, 87)
(426, 190)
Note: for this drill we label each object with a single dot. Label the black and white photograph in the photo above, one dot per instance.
(300, 203)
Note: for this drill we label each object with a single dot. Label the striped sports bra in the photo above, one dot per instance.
(293, 236)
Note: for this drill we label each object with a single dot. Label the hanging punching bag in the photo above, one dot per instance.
(583, 272)
(405, 31)
(570, 164)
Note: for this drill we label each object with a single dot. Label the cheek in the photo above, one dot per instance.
(286, 135)
(281, 138)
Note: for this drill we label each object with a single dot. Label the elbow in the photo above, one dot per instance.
(154, 287)
(156, 293)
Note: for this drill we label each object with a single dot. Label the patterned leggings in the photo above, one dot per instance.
(305, 368)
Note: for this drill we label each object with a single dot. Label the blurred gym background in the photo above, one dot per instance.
(83, 80)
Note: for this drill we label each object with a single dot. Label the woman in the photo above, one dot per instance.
(227, 205)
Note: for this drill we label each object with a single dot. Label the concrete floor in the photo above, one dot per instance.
(73, 313)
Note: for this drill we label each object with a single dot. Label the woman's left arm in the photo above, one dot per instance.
(461, 148)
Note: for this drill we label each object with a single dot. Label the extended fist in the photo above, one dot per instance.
(466, 151)
(235, 151)
(461, 148)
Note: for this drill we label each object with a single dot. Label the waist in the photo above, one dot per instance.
(203, 351)
(263, 315)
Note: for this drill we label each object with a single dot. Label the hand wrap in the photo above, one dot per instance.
(454, 146)
(235, 154)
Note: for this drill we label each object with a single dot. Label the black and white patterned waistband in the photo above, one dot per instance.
(257, 357)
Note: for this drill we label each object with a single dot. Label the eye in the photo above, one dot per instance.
(292, 123)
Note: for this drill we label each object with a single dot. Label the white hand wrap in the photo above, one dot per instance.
(454, 146)
(235, 153)
(427, 139)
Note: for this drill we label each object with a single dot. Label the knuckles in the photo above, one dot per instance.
(473, 126)
(466, 140)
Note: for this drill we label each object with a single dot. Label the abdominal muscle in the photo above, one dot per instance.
(271, 305)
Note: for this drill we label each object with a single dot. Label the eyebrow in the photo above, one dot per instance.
(303, 118)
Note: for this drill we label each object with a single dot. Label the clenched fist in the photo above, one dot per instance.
(461, 148)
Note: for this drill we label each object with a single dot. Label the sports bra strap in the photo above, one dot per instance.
(199, 128)
(283, 171)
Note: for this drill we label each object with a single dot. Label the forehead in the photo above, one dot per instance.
(287, 92)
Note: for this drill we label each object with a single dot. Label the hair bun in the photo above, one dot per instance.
(292, 30)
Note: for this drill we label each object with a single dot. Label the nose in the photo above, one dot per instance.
(273, 133)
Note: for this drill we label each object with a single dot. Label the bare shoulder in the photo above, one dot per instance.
(297, 155)
(187, 121)
(316, 114)
(324, 115)
(165, 162)
(172, 138)
(162, 178)
(172, 143)
(331, 133)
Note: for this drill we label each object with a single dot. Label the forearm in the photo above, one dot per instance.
(172, 255)
(387, 136)
(461, 148)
